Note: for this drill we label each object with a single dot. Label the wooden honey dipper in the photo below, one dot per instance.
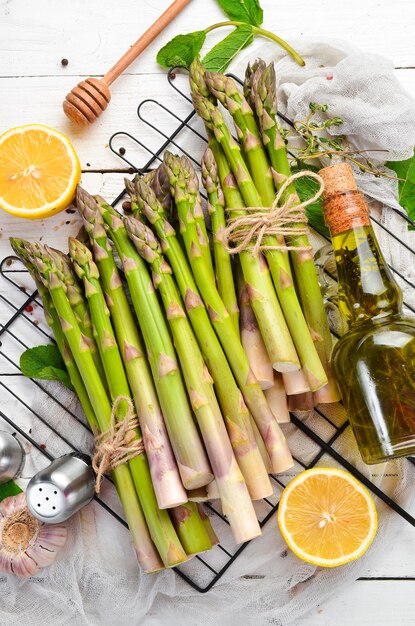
(85, 103)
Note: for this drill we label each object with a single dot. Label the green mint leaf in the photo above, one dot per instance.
(248, 11)
(218, 59)
(9, 489)
(45, 362)
(181, 50)
(306, 187)
(406, 171)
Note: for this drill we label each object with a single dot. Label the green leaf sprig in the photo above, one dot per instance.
(246, 16)
(45, 363)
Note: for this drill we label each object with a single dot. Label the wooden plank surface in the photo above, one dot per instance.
(92, 35)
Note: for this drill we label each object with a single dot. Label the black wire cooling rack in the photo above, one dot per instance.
(177, 128)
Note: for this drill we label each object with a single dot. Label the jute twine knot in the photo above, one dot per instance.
(118, 444)
(248, 231)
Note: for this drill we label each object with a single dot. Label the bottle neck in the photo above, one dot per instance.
(367, 289)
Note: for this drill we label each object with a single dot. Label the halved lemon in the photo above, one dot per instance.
(327, 517)
(39, 171)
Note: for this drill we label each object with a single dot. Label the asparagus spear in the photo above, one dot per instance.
(79, 306)
(254, 397)
(46, 267)
(278, 261)
(263, 95)
(190, 456)
(159, 524)
(234, 495)
(165, 475)
(236, 415)
(186, 188)
(52, 320)
(223, 261)
(251, 338)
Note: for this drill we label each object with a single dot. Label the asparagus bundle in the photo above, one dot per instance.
(263, 299)
(240, 428)
(158, 521)
(190, 455)
(52, 277)
(234, 495)
(185, 201)
(260, 89)
(166, 479)
(277, 260)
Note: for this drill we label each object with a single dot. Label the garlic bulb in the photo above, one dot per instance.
(26, 545)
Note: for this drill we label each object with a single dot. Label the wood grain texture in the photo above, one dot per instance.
(92, 35)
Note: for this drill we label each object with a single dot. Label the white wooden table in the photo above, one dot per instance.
(36, 35)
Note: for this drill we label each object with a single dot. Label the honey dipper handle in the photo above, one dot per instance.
(145, 40)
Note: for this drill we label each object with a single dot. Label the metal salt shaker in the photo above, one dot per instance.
(11, 457)
(57, 492)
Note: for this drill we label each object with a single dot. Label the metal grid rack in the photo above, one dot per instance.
(178, 130)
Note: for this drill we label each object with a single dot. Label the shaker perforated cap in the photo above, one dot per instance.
(344, 206)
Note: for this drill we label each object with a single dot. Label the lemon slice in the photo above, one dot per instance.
(327, 517)
(39, 171)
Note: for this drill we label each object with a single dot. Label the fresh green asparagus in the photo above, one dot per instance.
(52, 320)
(234, 495)
(263, 96)
(190, 456)
(159, 524)
(251, 390)
(236, 415)
(278, 261)
(166, 478)
(52, 278)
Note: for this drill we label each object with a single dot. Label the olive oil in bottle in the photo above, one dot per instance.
(375, 361)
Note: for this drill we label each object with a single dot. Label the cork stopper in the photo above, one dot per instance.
(344, 206)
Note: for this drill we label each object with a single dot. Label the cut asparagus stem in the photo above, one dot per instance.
(295, 383)
(190, 456)
(223, 261)
(263, 96)
(79, 306)
(158, 521)
(198, 495)
(234, 495)
(165, 475)
(251, 338)
(46, 267)
(209, 529)
(278, 261)
(277, 400)
(251, 390)
(264, 301)
(213, 491)
(52, 320)
(190, 528)
(262, 449)
(230, 399)
(301, 402)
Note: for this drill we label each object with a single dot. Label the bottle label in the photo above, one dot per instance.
(344, 211)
